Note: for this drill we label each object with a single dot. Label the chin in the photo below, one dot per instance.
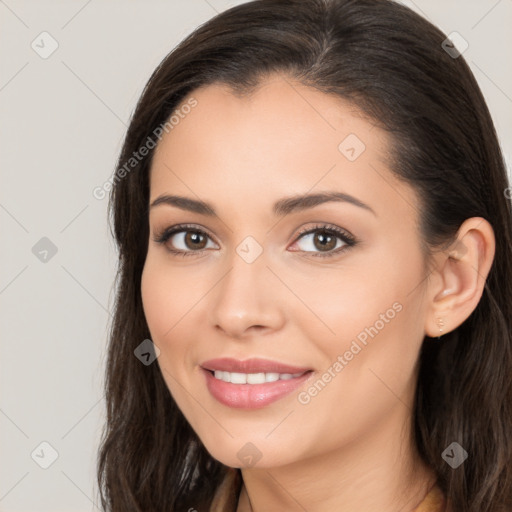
(246, 453)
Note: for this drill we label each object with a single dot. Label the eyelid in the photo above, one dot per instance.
(345, 236)
(163, 235)
(319, 226)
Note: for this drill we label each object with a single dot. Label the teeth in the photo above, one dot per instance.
(253, 378)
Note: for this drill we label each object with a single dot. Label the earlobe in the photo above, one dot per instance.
(461, 271)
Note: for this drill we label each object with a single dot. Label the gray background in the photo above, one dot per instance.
(62, 122)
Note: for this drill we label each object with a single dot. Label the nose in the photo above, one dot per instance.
(247, 300)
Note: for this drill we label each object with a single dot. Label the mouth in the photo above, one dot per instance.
(253, 378)
(252, 366)
(253, 383)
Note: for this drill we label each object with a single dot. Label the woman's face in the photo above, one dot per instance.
(251, 286)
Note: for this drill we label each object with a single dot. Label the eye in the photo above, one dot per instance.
(327, 240)
(186, 239)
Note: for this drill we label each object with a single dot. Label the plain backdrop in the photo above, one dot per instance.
(62, 120)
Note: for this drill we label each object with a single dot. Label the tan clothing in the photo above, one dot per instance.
(435, 501)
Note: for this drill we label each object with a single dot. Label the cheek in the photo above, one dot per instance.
(155, 300)
(379, 351)
(367, 294)
(336, 304)
(166, 299)
(363, 384)
(372, 318)
(167, 295)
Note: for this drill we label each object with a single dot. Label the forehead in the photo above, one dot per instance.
(288, 110)
(282, 139)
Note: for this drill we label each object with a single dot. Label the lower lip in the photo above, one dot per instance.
(251, 396)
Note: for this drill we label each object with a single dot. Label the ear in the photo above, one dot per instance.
(457, 282)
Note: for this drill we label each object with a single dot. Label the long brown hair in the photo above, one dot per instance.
(390, 63)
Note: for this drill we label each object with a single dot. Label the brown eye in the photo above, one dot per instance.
(195, 240)
(324, 241)
(184, 240)
(321, 240)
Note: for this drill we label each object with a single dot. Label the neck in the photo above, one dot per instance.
(379, 470)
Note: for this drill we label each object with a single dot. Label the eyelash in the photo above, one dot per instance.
(349, 240)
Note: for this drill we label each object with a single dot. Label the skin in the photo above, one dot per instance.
(350, 447)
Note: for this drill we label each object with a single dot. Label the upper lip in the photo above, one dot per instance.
(254, 365)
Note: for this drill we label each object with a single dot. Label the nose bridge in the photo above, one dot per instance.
(246, 295)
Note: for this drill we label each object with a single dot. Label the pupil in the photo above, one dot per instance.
(324, 240)
(194, 237)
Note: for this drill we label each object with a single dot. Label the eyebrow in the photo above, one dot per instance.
(282, 207)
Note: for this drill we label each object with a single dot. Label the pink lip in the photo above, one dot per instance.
(251, 396)
(254, 365)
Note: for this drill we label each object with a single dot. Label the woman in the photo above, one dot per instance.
(314, 273)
